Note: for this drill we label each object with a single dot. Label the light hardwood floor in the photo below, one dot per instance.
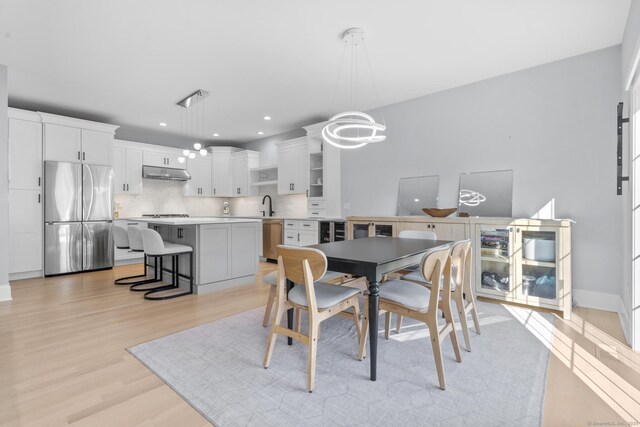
(63, 357)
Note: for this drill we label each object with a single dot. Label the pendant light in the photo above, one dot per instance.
(354, 129)
(193, 121)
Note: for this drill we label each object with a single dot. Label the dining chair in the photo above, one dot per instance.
(417, 302)
(461, 289)
(303, 267)
(271, 279)
(412, 269)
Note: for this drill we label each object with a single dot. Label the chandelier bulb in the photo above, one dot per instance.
(197, 146)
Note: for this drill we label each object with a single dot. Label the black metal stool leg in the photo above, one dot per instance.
(157, 278)
(125, 281)
(175, 280)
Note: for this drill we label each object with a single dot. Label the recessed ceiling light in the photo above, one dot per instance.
(260, 133)
(163, 124)
(267, 117)
(216, 134)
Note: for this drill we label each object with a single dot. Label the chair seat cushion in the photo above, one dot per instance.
(271, 278)
(416, 276)
(406, 293)
(172, 249)
(327, 295)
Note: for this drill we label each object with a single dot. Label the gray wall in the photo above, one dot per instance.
(554, 125)
(4, 185)
(267, 146)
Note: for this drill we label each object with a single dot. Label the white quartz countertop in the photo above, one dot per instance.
(195, 220)
(213, 219)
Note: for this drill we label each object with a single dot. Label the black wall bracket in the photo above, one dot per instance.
(621, 121)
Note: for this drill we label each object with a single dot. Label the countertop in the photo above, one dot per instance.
(194, 220)
(211, 219)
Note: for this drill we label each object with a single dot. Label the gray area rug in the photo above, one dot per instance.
(217, 368)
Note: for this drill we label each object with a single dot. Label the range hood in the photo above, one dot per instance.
(165, 174)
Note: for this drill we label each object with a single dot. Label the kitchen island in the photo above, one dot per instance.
(226, 251)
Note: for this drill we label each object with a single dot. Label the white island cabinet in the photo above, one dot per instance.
(226, 250)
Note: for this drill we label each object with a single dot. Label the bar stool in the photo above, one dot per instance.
(130, 238)
(156, 248)
(135, 243)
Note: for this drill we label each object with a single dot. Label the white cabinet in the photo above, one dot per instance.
(25, 237)
(25, 232)
(162, 159)
(241, 163)
(454, 230)
(214, 256)
(221, 170)
(63, 143)
(78, 141)
(246, 240)
(293, 166)
(200, 171)
(96, 147)
(25, 154)
(127, 168)
(324, 175)
(300, 232)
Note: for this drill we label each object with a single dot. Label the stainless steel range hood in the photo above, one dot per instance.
(165, 174)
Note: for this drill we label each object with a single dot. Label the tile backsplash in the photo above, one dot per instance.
(165, 197)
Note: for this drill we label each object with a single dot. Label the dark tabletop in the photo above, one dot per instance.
(377, 250)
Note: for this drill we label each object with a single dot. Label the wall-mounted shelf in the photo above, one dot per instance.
(264, 169)
(263, 183)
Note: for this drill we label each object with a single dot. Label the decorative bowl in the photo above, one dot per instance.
(439, 213)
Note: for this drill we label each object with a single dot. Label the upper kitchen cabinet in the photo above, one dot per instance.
(163, 158)
(25, 150)
(127, 167)
(200, 183)
(293, 166)
(78, 141)
(221, 174)
(323, 171)
(241, 164)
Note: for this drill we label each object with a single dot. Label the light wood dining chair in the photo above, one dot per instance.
(271, 279)
(461, 289)
(417, 302)
(321, 300)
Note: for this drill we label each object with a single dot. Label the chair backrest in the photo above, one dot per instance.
(120, 237)
(152, 242)
(293, 258)
(459, 252)
(417, 234)
(135, 238)
(436, 268)
(300, 265)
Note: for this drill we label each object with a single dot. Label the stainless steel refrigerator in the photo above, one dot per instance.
(78, 212)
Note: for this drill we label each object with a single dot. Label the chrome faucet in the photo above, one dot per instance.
(271, 212)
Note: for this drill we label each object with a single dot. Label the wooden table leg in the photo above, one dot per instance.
(373, 327)
(289, 313)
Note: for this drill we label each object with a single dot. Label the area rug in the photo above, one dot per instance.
(217, 369)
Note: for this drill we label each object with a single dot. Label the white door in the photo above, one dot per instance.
(221, 175)
(300, 177)
(25, 155)
(308, 238)
(214, 257)
(286, 170)
(133, 167)
(245, 242)
(192, 187)
(155, 158)
(62, 143)
(119, 170)
(96, 147)
(238, 175)
(25, 231)
(634, 132)
(204, 170)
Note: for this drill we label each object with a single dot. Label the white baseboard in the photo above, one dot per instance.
(25, 275)
(625, 321)
(5, 292)
(597, 300)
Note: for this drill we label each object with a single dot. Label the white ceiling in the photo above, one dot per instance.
(128, 62)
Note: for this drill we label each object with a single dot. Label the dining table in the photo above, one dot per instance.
(374, 257)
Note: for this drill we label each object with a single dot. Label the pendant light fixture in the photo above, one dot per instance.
(192, 122)
(354, 129)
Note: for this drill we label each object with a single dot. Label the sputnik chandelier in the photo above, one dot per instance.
(192, 122)
(354, 129)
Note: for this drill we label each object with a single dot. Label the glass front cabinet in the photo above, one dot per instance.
(525, 261)
(360, 229)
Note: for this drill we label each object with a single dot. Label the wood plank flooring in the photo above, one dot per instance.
(63, 357)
